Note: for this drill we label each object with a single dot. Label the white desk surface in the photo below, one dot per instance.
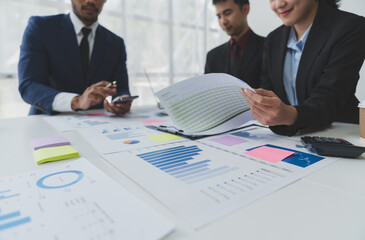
(328, 204)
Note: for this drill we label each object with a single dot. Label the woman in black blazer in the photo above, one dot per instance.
(309, 91)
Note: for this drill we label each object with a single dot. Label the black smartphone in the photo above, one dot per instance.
(125, 99)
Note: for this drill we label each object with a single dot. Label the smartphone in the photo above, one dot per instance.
(125, 99)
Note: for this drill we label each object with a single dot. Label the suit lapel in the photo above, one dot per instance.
(249, 53)
(317, 37)
(69, 40)
(225, 56)
(278, 57)
(98, 55)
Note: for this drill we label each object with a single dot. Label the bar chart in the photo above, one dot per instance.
(12, 219)
(180, 163)
(7, 194)
(198, 182)
(203, 180)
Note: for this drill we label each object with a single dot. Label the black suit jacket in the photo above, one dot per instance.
(328, 70)
(218, 60)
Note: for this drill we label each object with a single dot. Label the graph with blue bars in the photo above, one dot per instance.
(10, 219)
(7, 194)
(181, 163)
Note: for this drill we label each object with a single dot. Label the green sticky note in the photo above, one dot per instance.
(54, 154)
(164, 137)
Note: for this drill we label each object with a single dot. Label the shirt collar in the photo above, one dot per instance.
(78, 25)
(292, 41)
(242, 41)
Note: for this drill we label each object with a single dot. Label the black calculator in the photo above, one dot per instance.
(334, 147)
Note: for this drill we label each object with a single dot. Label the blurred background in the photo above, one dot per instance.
(168, 39)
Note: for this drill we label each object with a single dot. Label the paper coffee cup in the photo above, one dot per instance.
(362, 119)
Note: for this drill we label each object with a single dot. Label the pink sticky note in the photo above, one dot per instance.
(269, 154)
(48, 142)
(228, 140)
(151, 122)
(96, 114)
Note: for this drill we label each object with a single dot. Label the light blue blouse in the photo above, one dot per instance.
(292, 59)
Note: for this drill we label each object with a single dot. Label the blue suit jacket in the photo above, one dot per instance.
(50, 62)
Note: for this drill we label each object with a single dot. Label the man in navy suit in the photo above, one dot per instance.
(67, 61)
(310, 67)
(241, 55)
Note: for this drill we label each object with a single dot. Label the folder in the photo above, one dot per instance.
(179, 132)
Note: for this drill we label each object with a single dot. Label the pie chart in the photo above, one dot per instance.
(131, 142)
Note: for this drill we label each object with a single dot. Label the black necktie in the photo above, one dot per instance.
(234, 64)
(85, 50)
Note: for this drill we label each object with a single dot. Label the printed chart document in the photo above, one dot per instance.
(74, 201)
(74, 122)
(202, 181)
(125, 136)
(207, 104)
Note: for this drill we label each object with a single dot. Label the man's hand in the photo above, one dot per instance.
(268, 108)
(93, 95)
(117, 108)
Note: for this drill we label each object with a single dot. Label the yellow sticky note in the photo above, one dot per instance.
(54, 154)
(164, 137)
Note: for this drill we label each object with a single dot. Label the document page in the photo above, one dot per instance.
(74, 201)
(73, 122)
(207, 104)
(202, 181)
(125, 136)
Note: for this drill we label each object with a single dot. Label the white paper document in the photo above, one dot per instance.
(74, 122)
(204, 180)
(74, 201)
(207, 104)
(125, 136)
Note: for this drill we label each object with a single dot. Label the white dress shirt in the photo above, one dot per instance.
(62, 101)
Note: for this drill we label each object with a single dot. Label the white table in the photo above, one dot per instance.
(329, 204)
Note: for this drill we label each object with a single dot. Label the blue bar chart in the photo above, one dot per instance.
(10, 220)
(202, 181)
(180, 163)
(7, 194)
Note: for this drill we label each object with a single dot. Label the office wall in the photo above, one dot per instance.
(263, 20)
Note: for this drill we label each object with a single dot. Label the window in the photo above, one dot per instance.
(168, 39)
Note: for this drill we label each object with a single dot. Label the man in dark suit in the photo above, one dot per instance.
(241, 55)
(311, 65)
(67, 61)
